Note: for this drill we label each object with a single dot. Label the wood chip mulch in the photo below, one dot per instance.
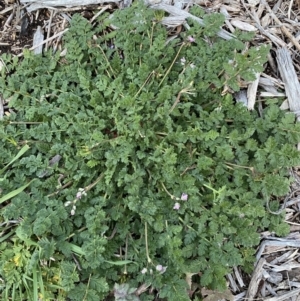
(40, 25)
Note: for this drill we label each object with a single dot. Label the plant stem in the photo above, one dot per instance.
(168, 71)
(146, 243)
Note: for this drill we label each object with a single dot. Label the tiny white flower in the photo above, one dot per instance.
(73, 210)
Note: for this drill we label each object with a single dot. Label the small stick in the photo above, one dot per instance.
(45, 41)
(49, 29)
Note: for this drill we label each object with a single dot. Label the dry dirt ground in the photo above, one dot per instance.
(277, 23)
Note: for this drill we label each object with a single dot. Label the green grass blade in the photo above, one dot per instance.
(14, 193)
(27, 287)
(41, 284)
(76, 249)
(3, 238)
(23, 150)
(35, 285)
(13, 293)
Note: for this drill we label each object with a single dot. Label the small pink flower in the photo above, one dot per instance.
(80, 193)
(176, 206)
(161, 268)
(184, 197)
(191, 39)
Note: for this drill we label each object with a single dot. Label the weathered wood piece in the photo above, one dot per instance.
(233, 284)
(289, 77)
(180, 13)
(1, 108)
(241, 96)
(252, 91)
(284, 297)
(238, 277)
(38, 39)
(255, 279)
(277, 242)
(35, 4)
